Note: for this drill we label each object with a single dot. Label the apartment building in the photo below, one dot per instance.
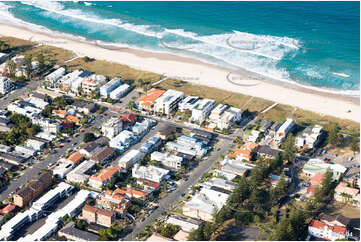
(168, 160)
(151, 173)
(168, 102)
(112, 127)
(201, 110)
(97, 181)
(97, 215)
(108, 87)
(146, 102)
(310, 137)
(5, 85)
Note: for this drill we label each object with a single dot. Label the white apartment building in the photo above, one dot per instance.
(217, 112)
(168, 102)
(130, 158)
(112, 127)
(5, 85)
(201, 110)
(167, 159)
(78, 174)
(110, 86)
(284, 129)
(68, 79)
(92, 83)
(24, 108)
(53, 77)
(47, 125)
(327, 232)
(188, 103)
(119, 92)
(151, 173)
(309, 137)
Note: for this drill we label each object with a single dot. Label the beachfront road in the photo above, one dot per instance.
(164, 204)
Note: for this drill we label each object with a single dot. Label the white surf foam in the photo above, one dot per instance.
(340, 74)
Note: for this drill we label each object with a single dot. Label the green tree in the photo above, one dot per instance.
(355, 144)
(88, 137)
(28, 66)
(11, 66)
(333, 137)
(41, 61)
(289, 148)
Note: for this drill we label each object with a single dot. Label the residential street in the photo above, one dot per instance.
(165, 203)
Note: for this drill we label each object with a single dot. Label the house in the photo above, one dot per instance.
(6, 166)
(219, 182)
(13, 159)
(148, 185)
(106, 89)
(5, 148)
(60, 113)
(151, 173)
(53, 77)
(186, 224)
(284, 129)
(274, 180)
(105, 175)
(123, 140)
(129, 159)
(104, 155)
(84, 107)
(8, 208)
(157, 237)
(165, 132)
(33, 189)
(119, 92)
(346, 194)
(47, 125)
(79, 173)
(36, 143)
(310, 137)
(128, 119)
(338, 220)
(188, 145)
(245, 152)
(5, 85)
(314, 166)
(24, 151)
(168, 160)
(224, 174)
(168, 102)
(70, 232)
(132, 193)
(267, 152)
(62, 168)
(75, 157)
(98, 215)
(146, 102)
(5, 125)
(112, 127)
(24, 108)
(73, 118)
(181, 235)
(90, 149)
(38, 100)
(113, 200)
(236, 167)
(327, 232)
(201, 110)
(188, 103)
(152, 144)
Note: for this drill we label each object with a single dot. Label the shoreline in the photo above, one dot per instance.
(202, 73)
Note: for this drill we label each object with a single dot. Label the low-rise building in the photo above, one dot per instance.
(146, 102)
(97, 181)
(70, 232)
(119, 92)
(245, 152)
(168, 102)
(97, 215)
(62, 168)
(186, 224)
(24, 151)
(188, 103)
(90, 149)
(113, 200)
(78, 174)
(328, 232)
(112, 127)
(130, 158)
(346, 194)
(314, 166)
(36, 143)
(5, 85)
(47, 125)
(168, 160)
(75, 157)
(267, 152)
(106, 89)
(188, 145)
(310, 137)
(219, 182)
(236, 167)
(284, 129)
(201, 110)
(33, 189)
(24, 108)
(151, 173)
(104, 155)
(53, 77)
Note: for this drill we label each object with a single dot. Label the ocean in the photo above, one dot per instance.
(312, 44)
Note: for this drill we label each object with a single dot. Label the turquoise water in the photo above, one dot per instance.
(315, 44)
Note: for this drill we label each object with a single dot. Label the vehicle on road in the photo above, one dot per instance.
(182, 194)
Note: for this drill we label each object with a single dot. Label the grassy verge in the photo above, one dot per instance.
(15, 43)
(51, 54)
(111, 70)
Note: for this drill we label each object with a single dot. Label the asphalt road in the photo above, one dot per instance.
(165, 203)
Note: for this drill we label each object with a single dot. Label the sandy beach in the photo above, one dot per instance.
(204, 74)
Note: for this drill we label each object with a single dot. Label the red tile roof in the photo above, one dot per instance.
(73, 118)
(10, 207)
(106, 174)
(75, 157)
(316, 179)
(151, 96)
(336, 229)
